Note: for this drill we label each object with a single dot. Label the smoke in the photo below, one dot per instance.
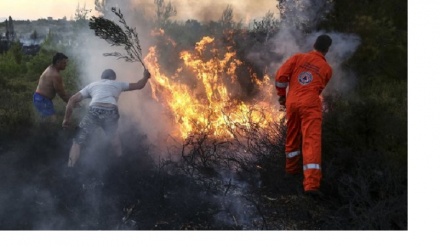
(138, 110)
(136, 106)
(342, 49)
(305, 15)
(293, 38)
(149, 115)
(205, 11)
(89, 51)
(140, 114)
(288, 42)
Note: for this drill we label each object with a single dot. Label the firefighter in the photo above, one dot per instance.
(303, 76)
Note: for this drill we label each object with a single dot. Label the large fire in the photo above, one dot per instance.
(210, 106)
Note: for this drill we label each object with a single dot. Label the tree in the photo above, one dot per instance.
(7, 32)
(102, 7)
(267, 27)
(164, 12)
(382, 27)
(34, 36)
(81, 14)
(10, 28)
(303, 15)
(226, 20)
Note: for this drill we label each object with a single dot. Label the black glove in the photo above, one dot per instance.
(282, 100)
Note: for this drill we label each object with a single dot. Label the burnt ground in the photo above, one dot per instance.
(134, 192)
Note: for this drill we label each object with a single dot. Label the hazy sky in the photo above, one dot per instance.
(187, 9)
(33, 9)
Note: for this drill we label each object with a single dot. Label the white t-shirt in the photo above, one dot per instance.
(104, 91)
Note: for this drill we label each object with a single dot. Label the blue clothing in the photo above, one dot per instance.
(43, 105)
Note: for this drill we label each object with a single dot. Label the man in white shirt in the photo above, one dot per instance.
(103, 110)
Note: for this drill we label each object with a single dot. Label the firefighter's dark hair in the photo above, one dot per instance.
(58, 57)
(323, 43)
(108, 74)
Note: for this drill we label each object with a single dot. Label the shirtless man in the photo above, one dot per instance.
(50, 84)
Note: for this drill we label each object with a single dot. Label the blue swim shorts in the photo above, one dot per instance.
(43, 105)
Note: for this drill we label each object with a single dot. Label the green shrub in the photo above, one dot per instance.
(365, 156)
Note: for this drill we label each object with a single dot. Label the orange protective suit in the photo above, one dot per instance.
(305, 75)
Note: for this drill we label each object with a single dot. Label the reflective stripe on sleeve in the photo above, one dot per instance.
(292, 154)
(311, 166)
(281, 84)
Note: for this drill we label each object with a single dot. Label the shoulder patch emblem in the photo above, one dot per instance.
(305, 78)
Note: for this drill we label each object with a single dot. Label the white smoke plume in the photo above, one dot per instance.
(147, 114)
(244, 11)
(204, 11)
(289, 42)
(137, 109)
(135, 106)
(292, 39)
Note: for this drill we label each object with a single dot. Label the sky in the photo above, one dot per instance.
(33, 10)
(57, 9)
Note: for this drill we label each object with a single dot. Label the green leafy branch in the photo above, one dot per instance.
(116, 36)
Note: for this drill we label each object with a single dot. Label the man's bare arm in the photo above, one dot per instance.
(74, 100)
(59, 88)
(141, 83)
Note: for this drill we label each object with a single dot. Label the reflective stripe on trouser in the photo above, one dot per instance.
(292, 162)
(304, 133)
(312, 176)
(281, 84)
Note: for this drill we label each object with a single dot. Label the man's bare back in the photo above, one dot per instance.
(51, 83)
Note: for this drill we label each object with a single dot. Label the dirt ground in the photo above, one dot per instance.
(39, 192)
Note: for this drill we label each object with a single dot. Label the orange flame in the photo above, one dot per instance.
(210, 107)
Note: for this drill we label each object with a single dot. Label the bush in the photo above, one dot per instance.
(19, 76)
(365, 157)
